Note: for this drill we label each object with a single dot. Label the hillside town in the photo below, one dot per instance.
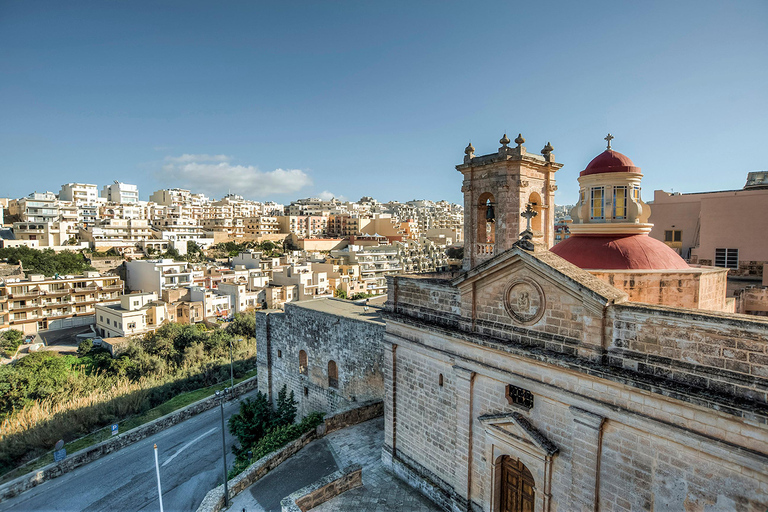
(183, 257)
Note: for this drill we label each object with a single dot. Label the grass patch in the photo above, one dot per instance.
(178, 402)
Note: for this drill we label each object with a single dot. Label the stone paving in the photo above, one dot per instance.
(361, 444)
(381, 490)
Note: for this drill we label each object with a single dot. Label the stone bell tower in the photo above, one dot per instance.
(497, 188)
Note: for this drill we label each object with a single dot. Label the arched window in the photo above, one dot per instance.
(486, 219)
(302, 362)
(537, 222)
(333, 374)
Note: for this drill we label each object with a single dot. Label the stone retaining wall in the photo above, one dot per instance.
(77, 459)
(324, 489)
(214, 500)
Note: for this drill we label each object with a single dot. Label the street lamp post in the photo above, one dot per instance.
(221, 395)
(231, 369)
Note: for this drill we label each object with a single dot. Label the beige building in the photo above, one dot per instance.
(526, 383)
(39, 302)
(711, 228)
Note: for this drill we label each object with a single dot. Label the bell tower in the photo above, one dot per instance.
(497, 188)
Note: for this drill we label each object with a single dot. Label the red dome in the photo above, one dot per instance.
(619, 252)
(610, 161)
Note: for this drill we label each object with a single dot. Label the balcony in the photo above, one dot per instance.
(23, 295)
(485, 249)
(54, 293)
(85, 289)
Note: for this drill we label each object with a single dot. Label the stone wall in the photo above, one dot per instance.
(698, 288)
(724, 354)
(752, 300)
(432, 299)
(619, 447)
(214, 500)
(324, 489)
(77, 459)
(352, 343)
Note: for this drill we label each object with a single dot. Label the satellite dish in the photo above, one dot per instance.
(59, 445)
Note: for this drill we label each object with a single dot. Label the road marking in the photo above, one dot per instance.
(187, 446)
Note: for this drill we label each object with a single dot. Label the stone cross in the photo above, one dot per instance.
(528, 214)
(609, 138)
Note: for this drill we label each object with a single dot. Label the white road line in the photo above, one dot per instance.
(187, 446)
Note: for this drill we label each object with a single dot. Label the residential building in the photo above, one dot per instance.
(375, 263)
(57, 302)
(214, 305)
(36, 207)
(79, 193)
(116, 233)
(136, 313)
(157, 275)
(709, 228)
(121, 193)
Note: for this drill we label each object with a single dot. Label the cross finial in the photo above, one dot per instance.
(528, 214)
(609, 138)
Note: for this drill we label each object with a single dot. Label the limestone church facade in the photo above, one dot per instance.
(528, 382)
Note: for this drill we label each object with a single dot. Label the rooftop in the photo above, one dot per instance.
(349, 309)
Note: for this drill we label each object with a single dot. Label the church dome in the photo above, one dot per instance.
(619, 252)
(610, 161)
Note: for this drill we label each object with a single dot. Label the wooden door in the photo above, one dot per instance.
(517, 487)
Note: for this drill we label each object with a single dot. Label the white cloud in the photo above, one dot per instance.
(327, 196)
(215, 176)
(186, 157)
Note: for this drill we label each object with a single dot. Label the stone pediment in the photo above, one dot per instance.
(540, 265)
(516, 428)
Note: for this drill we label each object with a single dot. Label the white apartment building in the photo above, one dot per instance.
(214, 305)
(120, 193)
(36, 207)
(240, 297)
(117, 233)
(248, 260)
(136, 313)
(46, 234)
(79, 193)
(157, 275)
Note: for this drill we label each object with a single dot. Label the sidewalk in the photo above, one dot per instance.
(361, 444)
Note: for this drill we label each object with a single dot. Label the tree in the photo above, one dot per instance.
(455, 253)
(10, 341)
(253, 420)
(84, 347)
(242, 325)
(286, 408)
(339, 293)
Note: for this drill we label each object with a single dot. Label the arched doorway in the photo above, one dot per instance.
(517, 489)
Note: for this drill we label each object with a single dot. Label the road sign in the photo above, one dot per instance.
(59, 455)
(59, 444)
(114, 429)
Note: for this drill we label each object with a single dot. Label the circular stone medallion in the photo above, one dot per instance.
(524, 301)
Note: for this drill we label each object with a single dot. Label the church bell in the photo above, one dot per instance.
(489, 215)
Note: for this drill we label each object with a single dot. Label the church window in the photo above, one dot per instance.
(333, 375)
(519, 396)
(620, 202)
(302, 362)
(279, 353)
(727, 258)
(440, 380)
(597, 203)
(636, 193)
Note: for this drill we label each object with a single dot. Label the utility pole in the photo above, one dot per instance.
(221, 395)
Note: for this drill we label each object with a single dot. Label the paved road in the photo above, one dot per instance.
(190, 466)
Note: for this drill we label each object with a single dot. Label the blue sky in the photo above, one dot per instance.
(281, 100)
